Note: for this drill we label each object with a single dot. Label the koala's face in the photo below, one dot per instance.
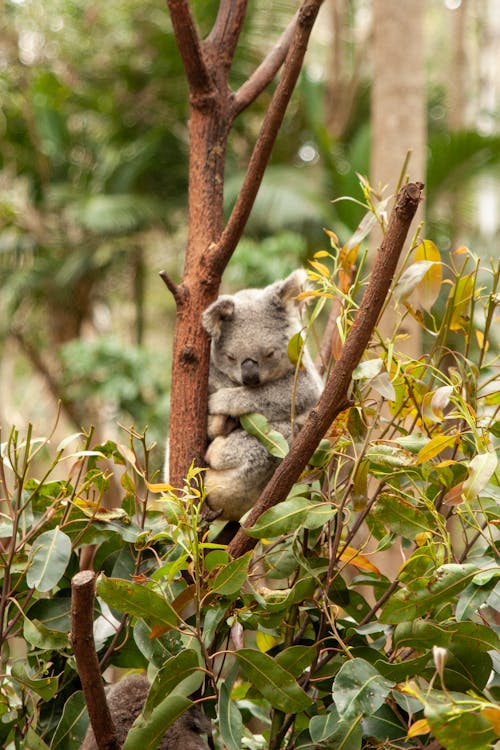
(250, 331)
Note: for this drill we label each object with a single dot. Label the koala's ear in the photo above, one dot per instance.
(290, 287)
(221, 309)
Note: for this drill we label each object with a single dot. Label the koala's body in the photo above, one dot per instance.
(250, 371)
(126, 700)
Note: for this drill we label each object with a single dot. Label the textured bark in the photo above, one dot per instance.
(335, 395)
(213, 107)
(82, 642)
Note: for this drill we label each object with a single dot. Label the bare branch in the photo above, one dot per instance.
(264, 74)
(178, 291)
(334, 398)
(223, 250)
(188, 42)
(82, 642)
(226, 30)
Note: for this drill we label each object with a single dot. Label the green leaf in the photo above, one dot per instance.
(148, 732)
(33, 742)
(295, 348)
(454, 724)
(72, 724)
(230, 721)
(232, 577)
(359, 688)
(175, 670)
(258, 426)
(401, 516)
(48, 560)
(45, 687)
(41, 637)
(272, 681)
(137, 600)
(279, 600)
(442, 587)
(296, 658)
(290, 515)
(341, 734)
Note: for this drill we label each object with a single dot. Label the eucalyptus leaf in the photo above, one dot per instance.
(232, 577)
(48, 560)
(137, 600)
(290, 515)
(258, 426)
(359, 688)
(147, 732)
(230, 721)
(272, 681)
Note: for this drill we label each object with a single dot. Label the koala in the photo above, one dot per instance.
(126, 699)
(250, 371)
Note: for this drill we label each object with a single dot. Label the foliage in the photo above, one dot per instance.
(307, 636)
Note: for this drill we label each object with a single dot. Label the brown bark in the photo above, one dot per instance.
(81, 639)
(335, 395)
(213, 107)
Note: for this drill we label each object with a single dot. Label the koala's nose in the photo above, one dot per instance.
(250, 372)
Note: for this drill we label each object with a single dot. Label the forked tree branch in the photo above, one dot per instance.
(82, 642)
(188, 43)
(227, 29)
(224, 248)
(335, 395)
(264, 74)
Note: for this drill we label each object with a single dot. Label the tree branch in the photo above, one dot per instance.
(178, 291)
(188, 43)
(221, 252)
(264, 74)
(226, 30)
(334, 397)
(81, 639)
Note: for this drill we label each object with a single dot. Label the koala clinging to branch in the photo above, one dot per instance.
(250, 371)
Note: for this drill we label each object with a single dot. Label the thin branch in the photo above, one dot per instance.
(81, 639)
(264, 74)
(188, 42)
(334, 397)
(221, 252)
(178, 291)
(226, 30)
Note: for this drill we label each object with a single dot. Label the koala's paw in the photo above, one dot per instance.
(220, 425)
(224, 495)
(223, 402)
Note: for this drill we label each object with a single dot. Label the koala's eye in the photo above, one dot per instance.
(230, 358)
(270, 353)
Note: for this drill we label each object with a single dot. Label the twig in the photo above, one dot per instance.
(82, 642)
(221, 252)
(264, 74)
(334, 398)
(201, 87)
(178, 291)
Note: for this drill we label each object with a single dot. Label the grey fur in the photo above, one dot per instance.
(250, 371)
(126, 699)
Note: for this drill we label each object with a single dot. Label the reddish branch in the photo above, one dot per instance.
(221, 253)
(82, 642)
(335, 395)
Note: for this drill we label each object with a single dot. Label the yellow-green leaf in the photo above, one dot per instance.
(434, 447)
(430, 285)
(461, 297)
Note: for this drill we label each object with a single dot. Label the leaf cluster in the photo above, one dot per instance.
(366, 615)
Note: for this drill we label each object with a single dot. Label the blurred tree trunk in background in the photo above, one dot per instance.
(398, 105)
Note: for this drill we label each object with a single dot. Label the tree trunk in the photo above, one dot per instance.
(398, 113)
